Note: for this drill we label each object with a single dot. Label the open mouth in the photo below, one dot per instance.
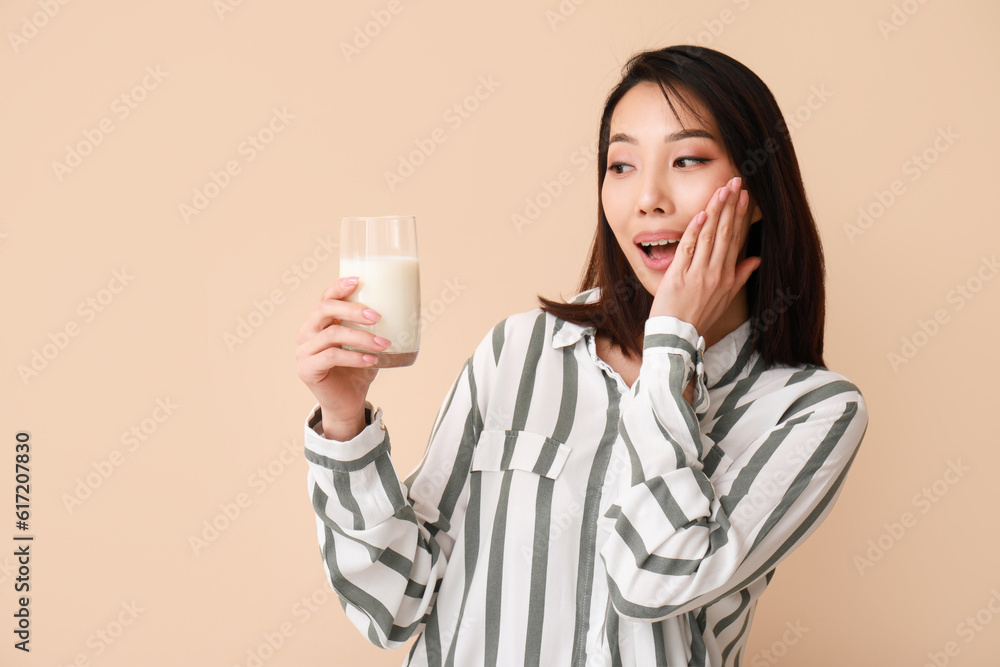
(659, 249)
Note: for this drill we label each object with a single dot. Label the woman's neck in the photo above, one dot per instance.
(735, 315)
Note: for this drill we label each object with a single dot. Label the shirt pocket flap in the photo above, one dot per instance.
(520, 450)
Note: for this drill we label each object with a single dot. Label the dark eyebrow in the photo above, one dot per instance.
(670, 138)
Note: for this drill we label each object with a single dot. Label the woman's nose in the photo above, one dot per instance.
(653, 196)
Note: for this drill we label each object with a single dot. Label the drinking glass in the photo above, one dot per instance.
(382, 253)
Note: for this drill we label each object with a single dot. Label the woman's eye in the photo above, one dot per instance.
(618, 167)
(690, 160)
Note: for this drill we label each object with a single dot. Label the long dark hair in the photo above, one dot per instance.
(786, 295)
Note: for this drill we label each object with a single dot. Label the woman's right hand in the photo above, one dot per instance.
(338, 378)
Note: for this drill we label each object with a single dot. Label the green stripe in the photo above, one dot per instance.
(742, 360)
(539, 567)
(748, 473)
(635, 463)
(567, 404)
(739, 639)
(432, 641)
(545, 457)
(471, 557)
(817, 396)
(613, 641)
(672, 341)
(651, 562)
(375, 610)
(390, 483)
(699, 652)
(677, 380)
(726, 621)
(659, 650)
(463, 461)
(342, 485)
(726, 422)
(526, 386)
(803, 374)
(588, 531)
(742, 388)
(494, 572)
(350, 466)
(679, 456)
(498, 339)
(543, 512)
(815, 462)
(661, 493)
(466, 369)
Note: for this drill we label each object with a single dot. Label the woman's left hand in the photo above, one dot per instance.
(704, 277)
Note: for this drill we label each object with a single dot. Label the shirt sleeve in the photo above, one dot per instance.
(675, 543)
(385, 544)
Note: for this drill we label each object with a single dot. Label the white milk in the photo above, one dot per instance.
(389, 285)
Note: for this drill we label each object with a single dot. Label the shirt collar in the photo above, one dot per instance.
(568, 333)
(718, 359)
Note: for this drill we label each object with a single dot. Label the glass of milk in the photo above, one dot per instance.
(382, 253)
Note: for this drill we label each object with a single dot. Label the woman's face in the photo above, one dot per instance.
(661, 173)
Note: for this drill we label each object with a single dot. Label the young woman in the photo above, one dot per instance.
(610, 481)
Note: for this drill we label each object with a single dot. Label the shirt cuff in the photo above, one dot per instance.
(346, 455)
(665, 334)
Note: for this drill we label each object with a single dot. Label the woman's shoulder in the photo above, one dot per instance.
(534, 330)
(810, 387)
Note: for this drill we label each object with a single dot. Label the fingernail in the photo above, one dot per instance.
(744, 197)
(737, 182)
(724, 194)
(372, 315)
(349, 281)
(370, 358)
(382, 341)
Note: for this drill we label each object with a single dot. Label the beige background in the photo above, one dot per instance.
(862, 101)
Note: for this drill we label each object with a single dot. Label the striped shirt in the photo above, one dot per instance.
(559, 517)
